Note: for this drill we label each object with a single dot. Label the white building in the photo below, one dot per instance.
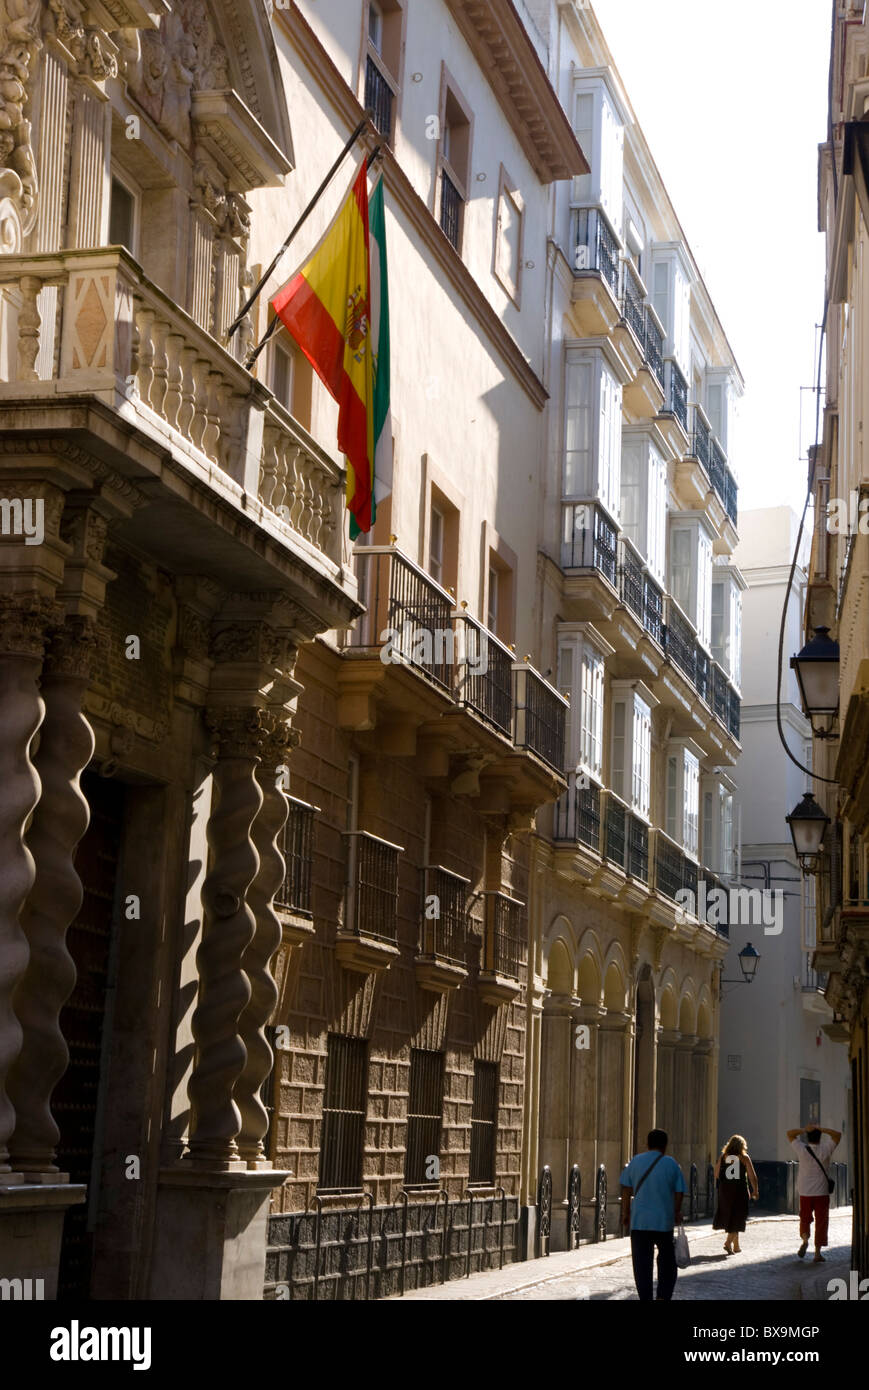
(779, 1068)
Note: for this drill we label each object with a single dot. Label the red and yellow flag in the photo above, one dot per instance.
(326, 307)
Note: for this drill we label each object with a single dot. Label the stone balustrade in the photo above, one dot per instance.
(124, 341)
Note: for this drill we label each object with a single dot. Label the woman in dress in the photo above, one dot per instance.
(734, 1173)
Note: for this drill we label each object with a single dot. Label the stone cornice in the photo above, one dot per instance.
(454, 270)
(500, 43)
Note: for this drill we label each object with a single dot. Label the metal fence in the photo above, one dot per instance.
(503, 935)
(372, 899)
(486, 686)
(294, 894)
(446, 935)
(539, 717)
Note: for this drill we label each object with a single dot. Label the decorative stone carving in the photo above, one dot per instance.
(183, 54)
(20, 40)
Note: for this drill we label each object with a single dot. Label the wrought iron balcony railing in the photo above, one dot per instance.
(596, 247)
(734, 713)
(703, 673)
(578, 814)
(680, 641)
(633, 300)
(485, 673)
(713, 883)
(674, 870)
(814, 981)
(653, 609)
(444, 936)
(626, 838)
(638, 848)
(539, 716)
(451, 210)
(504, 933)
(294, 894)
(720, 703)
(702, 440)
(589, 539)
(372, 886)
(730, 496)
(379, 97)
(406, 609)
(631, 579)
(654, 347)
(676, 397)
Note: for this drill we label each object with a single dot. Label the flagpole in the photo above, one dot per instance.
(304, 217)
(276, 323)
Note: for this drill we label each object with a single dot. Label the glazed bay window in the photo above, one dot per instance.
(717, 830)
(683, 794)
(599, 123)
(670, 284)
(581, 674)
(727, 622)
(691, 571)
(644, 499)
(632, 705)
(592, 430)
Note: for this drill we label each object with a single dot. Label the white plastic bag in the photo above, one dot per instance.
(680, 1245)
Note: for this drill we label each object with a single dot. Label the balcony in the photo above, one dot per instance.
(379, 97)
(408, 611)
(596, 304)
(441, 963)
(626, 839)
(504, 944)
(675, 407)
(578, 814)
(452, 203)
(638, 590)
(640, 349)
(589, 539)
(680, 642)
(485, 674)
(292, 902)
(539, 716)
(186, 418)
(368, 941)
(633, 302)
(654, 346)
(674, 870)
(712, 903)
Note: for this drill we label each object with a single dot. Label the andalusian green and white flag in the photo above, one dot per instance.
(379, 352)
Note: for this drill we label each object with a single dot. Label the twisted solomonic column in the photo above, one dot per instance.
(227, 931)
(24, 620)
(257, 959)
(66, 744)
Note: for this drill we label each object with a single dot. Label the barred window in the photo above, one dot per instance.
(484, 1122)
(343, 1133)
(424, 1109)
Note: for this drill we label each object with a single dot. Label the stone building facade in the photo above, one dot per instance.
(838, 591)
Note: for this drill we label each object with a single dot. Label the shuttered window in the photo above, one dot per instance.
(424, 1114)
(343, 1132)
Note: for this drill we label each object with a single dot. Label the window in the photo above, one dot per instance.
(123, 216)
(484, 1123)
(343, 1113)
(593, 430)
(727, 624)
(680, 569)
(691, 572)
(583, 126)
(683, 796)
(454, 162)
(717, 825)
(582, 676)
(492, 615)
(599, 127)
(436, 545)
(375, 27)
(632, 744)
(282, 373)
(508, 235)
(671, 300)
(644, 500)
(424, 1107)
(383, 61)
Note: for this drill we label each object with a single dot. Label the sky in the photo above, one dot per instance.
(732, 98)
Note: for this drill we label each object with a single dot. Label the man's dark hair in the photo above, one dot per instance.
(658, 1139)
(813, 1136)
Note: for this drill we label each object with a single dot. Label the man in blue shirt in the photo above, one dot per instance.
(656, 1184)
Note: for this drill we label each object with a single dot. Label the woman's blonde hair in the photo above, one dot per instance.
(735, 1145)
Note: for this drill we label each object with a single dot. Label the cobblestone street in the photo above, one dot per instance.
(767, 1270)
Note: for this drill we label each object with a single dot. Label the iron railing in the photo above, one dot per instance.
(578, 814)
(589, 540)
(503, 935)
(730, 496)
(703, 673)
(444, 936)
(372, 896)
(379, 97)
(294, 894)
(638, 849)
(654, 348)
(485, 673)
(814, 981)
(633, 298)
(653, 609)
(680, 642)
(712, 904)
(702, 442)
(540, 714)
(720, 694)
(676, 401)
(596, 247)
(734, 713)
(631, 579)
(451, 210)
(615, 831)
(414, 611)
(674, 871)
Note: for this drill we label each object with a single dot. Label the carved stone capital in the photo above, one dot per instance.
(72, 648)
(239, 731)
(85, 530)
(25, 624)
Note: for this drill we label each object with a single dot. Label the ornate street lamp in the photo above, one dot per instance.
(817, 671)
(808, 825)
(748, 958)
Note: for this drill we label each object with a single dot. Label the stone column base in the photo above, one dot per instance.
(31, 1229)
(210, 1234)
(527, 1247)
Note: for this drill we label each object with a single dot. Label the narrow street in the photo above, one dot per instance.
(767, 1270)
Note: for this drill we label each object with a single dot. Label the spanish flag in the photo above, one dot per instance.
(326, 307)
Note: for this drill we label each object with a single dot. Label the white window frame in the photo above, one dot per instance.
(632, 782)
(598, 477)
(582, 656)
(644, 470)
(717, 838)
(684, 795)
(129, 186)
(695, 599)
(602, 142)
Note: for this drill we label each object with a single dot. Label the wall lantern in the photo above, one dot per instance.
(808, 825)
(748, 958)
(817, 670)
